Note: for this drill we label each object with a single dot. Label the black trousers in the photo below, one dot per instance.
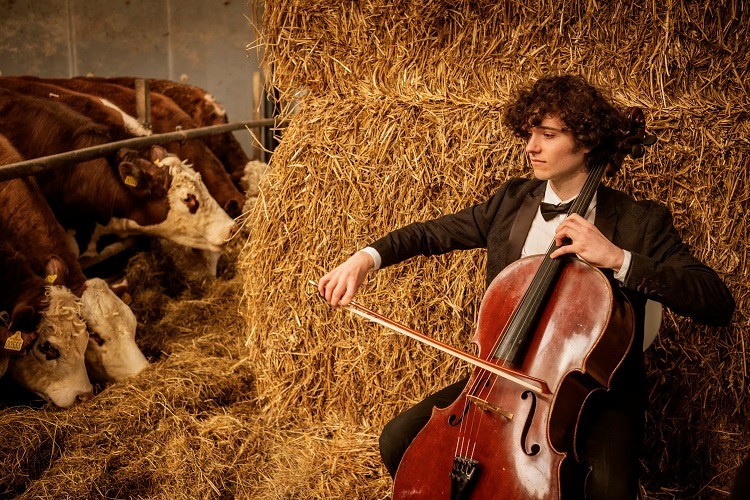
(610, 446)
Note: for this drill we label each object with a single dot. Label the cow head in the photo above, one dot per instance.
(112, 353)
(193, 216)
(54, 367)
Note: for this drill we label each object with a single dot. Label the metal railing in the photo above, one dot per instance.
(38, 165)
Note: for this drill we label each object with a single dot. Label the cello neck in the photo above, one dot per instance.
(524, 318)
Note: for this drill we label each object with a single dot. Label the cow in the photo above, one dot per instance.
(120, 125)
(54, 366)
(112, 353)
(166, 116)
(205, 111)
(124, 193)
(199, 263)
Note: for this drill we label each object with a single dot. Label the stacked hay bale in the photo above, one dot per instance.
(396, 119)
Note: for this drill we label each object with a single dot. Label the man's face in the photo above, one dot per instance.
(553, 153)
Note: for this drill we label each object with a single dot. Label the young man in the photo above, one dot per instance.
(568, 126)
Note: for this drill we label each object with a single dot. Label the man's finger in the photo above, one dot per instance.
(561, 251)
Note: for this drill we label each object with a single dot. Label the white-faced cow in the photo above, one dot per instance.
(54, 365)
(205, 111)
(166, 116)
(124, 193)
(112, 353)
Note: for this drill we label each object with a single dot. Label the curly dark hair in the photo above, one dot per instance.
(587, 114)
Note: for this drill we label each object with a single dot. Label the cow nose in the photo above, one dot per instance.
(233, 231)
(85, 396)
(233, 207)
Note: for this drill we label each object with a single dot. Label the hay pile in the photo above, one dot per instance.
(397, 108)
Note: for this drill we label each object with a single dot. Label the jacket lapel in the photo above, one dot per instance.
(606, 214)
(522, 223)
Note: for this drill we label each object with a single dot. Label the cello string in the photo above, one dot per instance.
(536, 289)
(465, 435)
(474, 424)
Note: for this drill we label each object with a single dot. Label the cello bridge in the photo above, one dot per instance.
(487, 406)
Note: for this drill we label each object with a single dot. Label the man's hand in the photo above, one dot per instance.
(340, 285)
(588, 243)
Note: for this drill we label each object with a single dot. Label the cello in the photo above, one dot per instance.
(556, 322)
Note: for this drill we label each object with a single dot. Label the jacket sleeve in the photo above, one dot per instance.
(664, 270)
(462, 230)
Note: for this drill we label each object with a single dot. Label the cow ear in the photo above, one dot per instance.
(135, 179)
(122, 290)
(158, 153)
(145, 179)
(16, 343)
(55, 271)
(24, 317)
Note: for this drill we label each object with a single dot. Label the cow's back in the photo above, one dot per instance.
(168, 117)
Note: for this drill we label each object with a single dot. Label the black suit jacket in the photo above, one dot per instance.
(662, 268)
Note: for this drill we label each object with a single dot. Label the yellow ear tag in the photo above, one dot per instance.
(51, 278)
(130, 181)
(14, 342)
(157, 161)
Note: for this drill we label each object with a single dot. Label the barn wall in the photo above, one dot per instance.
(202, 42)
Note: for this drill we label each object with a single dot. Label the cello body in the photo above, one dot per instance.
(501, 440)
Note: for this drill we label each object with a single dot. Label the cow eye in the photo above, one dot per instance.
(50, 352)
(191, 202)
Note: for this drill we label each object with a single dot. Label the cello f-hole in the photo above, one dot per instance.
(453, 420)
(535, 448)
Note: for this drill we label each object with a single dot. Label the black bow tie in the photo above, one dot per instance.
(550, 211)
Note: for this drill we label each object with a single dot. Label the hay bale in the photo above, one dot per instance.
(396, 113)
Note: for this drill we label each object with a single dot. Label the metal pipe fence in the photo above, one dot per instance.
(38, 165)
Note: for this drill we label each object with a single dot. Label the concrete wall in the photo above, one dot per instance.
(200, 42)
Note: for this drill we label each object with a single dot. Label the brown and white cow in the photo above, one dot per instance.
(199, 263)
(119, 124)
(112, 353)
(166, 116)
(205, 111)
(54, 365)
(160, 196)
